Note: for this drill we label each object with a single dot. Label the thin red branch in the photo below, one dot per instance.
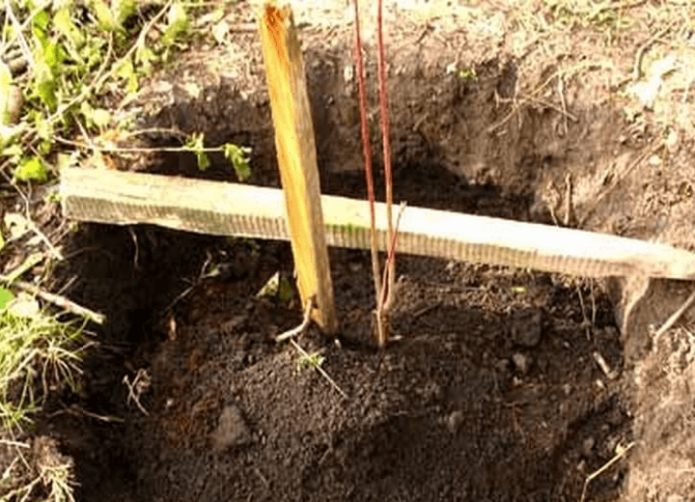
(386, 133)
(367, 151)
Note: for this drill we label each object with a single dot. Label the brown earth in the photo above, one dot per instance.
(493, 390)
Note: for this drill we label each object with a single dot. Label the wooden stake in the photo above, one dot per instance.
(296, 150)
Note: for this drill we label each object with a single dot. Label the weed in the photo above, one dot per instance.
(37, 353)
(468, 75)
(307, 361)
(70, 59)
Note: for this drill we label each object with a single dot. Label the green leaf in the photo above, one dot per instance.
(5, 94)
(177, 24)
(104, 15)
(45, 147)
(41, 20)
(271, 287)
(12, 151)
(126, 71)
(238, 156)
(44, 128)
(123, 9)
(144, 57)
(101, 117)
(46, 90)
(54, 56)
(32, 169)
(196, 145)
(65, 26)
(285, 291)
(6, 296)
(203, 160)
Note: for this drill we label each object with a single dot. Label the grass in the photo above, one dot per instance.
(37, 353)
(68, 73)
(66, 61)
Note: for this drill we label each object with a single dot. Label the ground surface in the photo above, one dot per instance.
(524, 110)
(491, 394)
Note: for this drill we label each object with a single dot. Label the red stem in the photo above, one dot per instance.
(367, 151)
(386, 132)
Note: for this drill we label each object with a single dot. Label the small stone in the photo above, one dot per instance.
(675, 498)
(355, 267)
(231, 429)
(526, 328)
(503, 365)
(588, 446)
(454, 421)
(654, 161)
(567, 389)
(521, 362)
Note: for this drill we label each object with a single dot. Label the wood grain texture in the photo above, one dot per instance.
(296, 151)
(218, 208)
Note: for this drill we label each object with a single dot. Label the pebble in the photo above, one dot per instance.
(521, 362)
(454, 421)
(231, 429)
(526, 328)
(503, 365)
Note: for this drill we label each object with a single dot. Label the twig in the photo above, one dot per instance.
(385, 133)
(674, 317)
(77, 411)
(585, 319)
(384, 302)
(20, 37)
(56, 254)
(61, 302)
(561, 92)
(319, 369)
(364, 128)
(116, 149)
(140, 384)
(642, 49)
(604, 468)
(16, 444)
(299, 329)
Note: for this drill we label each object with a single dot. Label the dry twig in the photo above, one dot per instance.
(139, 385)
(319, 369)
(61, 301)
(674, 317)
(299, 329)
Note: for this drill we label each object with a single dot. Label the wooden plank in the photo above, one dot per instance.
(219, 208)
(296, 151)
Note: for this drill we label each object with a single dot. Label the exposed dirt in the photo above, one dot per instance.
(491, 394)
(494, 390)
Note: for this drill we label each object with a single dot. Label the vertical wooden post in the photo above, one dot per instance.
(296, 150)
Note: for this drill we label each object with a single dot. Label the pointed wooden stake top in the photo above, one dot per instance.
(296, 150)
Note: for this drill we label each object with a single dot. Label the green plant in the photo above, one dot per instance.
(307, 361)
(468, 75)
(71, 58)
(36, 352)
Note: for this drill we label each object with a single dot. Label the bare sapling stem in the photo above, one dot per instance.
(382, 308)
(376, 269)
(388, 179)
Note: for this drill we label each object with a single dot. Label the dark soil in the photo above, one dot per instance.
(490, 391)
